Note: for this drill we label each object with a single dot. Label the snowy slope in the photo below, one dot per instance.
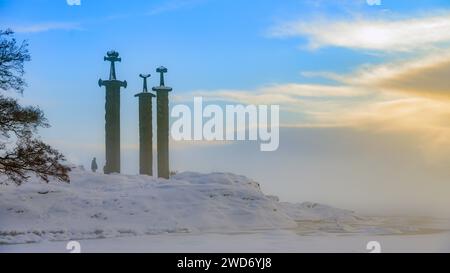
(106, 206)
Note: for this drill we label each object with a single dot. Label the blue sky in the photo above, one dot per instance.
(225, 41)
(333, 66)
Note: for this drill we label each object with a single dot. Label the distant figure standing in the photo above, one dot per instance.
(94, 166)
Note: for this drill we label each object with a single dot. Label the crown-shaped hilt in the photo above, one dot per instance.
(113, 57)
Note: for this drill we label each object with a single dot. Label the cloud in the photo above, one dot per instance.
(44, 27)
(373, 2)
(408, 97)
(305, 101)
(405, 114)
(425, 76)
(390, 35)
(290, 93)
(73, 2)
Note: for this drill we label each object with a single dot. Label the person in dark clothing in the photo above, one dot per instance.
(94, 166)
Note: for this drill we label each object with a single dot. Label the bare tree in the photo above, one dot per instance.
(22, 153)
(12, 58)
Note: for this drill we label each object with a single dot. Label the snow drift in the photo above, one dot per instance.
(104, 206)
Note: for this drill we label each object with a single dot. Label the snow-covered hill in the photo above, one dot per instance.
(106, 206)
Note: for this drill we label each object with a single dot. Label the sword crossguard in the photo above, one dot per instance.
(123, 84)
(112, 59)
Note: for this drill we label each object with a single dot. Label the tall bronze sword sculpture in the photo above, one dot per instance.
(145, 130)
(162, 98)
(112, 116)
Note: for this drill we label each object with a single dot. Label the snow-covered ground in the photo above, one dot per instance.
(272, 241)
(219, 212)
